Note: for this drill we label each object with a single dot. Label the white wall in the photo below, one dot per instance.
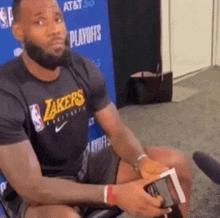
(188, 24)
(165, 39)
(217, 35)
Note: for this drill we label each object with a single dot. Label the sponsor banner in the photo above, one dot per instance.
(3, 184)
(98, 144)
(88, 26)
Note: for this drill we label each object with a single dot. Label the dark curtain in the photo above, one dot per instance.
(135, 34)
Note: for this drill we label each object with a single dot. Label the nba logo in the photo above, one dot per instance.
(36, 117)
(3, 18)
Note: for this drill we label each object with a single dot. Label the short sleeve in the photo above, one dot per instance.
(99, 97)
(12, 117)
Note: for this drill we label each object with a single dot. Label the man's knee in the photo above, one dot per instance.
(70, 213)
(51, 212)
(170, 157)
(177, 158)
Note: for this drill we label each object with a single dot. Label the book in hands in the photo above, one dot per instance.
(168, 187)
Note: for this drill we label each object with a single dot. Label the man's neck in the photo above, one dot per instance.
(38, 71)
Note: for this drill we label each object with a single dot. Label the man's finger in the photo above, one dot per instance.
(154, 201)
(149, 176)
(165, 169)
(156, 212)
(152, 178)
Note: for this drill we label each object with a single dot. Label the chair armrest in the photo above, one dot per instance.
(105, 213)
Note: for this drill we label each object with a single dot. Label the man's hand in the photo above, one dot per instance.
(149, 168)
(132, 198)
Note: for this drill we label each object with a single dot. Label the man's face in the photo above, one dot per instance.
(45, 34)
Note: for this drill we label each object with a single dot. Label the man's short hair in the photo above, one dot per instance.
(16, 10)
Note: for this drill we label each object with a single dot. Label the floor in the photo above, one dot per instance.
(190, 122)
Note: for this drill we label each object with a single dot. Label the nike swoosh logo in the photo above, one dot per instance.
(57, 129)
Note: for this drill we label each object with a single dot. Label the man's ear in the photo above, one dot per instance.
(18, 31)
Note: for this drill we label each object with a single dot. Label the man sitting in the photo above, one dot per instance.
(47, 95)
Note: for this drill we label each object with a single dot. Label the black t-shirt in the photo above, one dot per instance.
(52, 115)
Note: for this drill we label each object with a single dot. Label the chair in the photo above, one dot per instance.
(105, 213)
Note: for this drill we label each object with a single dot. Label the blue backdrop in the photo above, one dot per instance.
(88, 25)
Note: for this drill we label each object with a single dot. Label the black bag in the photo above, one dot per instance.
(150, 87)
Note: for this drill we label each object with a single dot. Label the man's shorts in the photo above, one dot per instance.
(99, 167)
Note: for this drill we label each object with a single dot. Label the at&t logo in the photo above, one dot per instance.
(88, 3)
(77, 4)
(6, 17)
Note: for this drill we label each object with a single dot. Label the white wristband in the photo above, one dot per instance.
(141, 156)
(106, 194)
(136, 166)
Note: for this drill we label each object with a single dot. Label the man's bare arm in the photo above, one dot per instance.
(121, 137)
(20, 165)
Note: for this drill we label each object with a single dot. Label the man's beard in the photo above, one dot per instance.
(47, 60)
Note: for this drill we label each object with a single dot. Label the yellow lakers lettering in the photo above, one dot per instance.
(54, 107)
